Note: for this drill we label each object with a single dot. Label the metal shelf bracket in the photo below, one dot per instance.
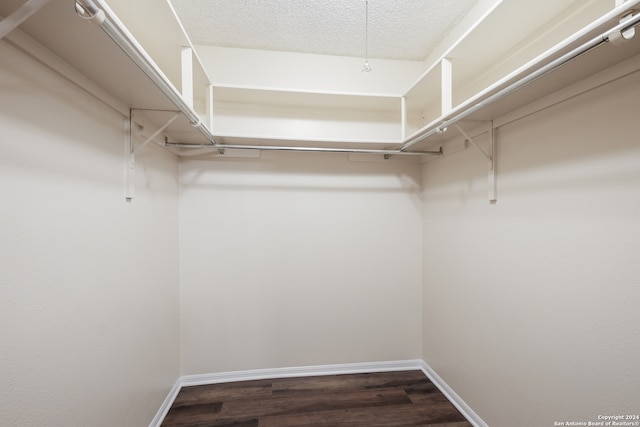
(490, 156)
(130, 149)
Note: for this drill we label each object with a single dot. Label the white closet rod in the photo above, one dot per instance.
(111, 25)
(454, 117)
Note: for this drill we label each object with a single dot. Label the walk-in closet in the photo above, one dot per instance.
(195, 193)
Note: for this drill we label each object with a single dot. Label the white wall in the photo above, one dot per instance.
(531, 305)
(297, 259)
(88, 282)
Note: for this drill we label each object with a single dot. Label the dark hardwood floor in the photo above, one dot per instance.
(405, 398)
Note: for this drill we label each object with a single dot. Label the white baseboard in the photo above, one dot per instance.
(453, 397)
(166, 405)
(301, 371)
(310, 371)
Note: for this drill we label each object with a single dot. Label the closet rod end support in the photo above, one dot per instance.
(97, 17)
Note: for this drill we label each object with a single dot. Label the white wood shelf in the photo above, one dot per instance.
(283, 115)
(165, 42)
(495, 48)
(529, 50)
(484, 62)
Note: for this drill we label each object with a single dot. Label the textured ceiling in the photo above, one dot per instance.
(398, 29)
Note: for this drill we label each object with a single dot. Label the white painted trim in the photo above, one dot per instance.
(453, 397)
(301, 371)
(312, 371)
(166, 405)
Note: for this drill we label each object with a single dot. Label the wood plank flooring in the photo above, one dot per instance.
(405, 398)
